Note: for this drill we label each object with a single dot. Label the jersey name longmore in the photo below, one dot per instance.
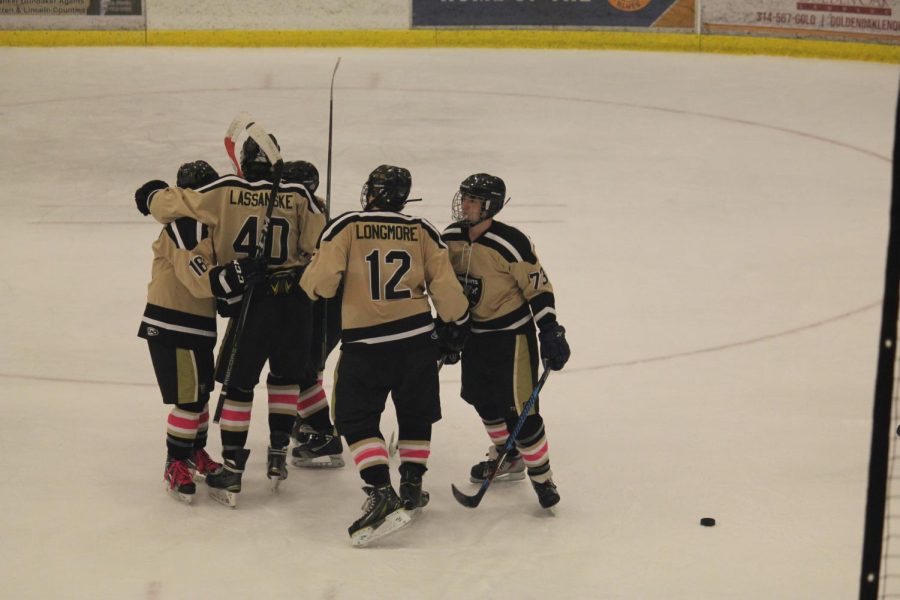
(385, 231)
(245, 198)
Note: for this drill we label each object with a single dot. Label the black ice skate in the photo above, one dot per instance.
(179, 482)
(512, 469)
(301, 431)
(276, 466)
(546, 492)
(411, 494)
(225, 485)
(201, 464)
(322, 451)
(383, 514)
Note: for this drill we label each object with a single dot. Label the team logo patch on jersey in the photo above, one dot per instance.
(152, 331)
(472, 287)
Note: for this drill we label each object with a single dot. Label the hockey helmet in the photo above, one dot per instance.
(302, 172)
(195, 175)
(386, 189)
(489, 189)
(254, 162)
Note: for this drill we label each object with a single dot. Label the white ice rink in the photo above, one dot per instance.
(715, 228)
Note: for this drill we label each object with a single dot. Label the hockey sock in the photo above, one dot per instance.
(203, 428)
(312, 400)
(181, 430)
(414, 445)
(235, 421)
(371, 457)
(535, 450)
(282, 408)
(496, 430)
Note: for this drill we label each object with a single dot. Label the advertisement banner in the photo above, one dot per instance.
(71, 14)
(852, 20)
(619, 14)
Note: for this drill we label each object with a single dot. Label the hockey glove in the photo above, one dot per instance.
(232, 279)
(554, 347)
(142, 195)
(451, 338)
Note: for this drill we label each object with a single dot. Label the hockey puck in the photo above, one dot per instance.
(707, 521)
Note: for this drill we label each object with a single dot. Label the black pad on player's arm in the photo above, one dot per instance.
(143, 193)
(554, 347)
(233, 278)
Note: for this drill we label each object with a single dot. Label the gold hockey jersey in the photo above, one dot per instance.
(387, 261)
(235, 208)
(181, 310)
(502, 277)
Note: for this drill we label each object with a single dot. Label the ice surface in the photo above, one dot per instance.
(715, 229)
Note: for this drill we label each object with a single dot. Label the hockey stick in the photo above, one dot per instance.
(238, 125)
(259, 135)
(475, 500)
(324, 324)
(330, 130)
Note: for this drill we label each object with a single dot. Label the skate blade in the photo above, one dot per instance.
(334, 461)
(225, 497)
(505, 477)
(180, 496)
(274, 482)
(395, 521)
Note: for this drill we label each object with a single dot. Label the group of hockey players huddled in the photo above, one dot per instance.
(363, 278)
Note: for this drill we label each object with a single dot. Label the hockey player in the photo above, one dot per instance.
(509, 292)
(386, 260)
(277, 328)
(317, 444)
(179, 324)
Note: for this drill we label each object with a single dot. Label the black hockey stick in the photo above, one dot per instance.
(324, 323)
(475, 500)
(259, 135)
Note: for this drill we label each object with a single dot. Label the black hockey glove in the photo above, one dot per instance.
(554, 347)
(451, 338)
(232, 279)
(143, 193)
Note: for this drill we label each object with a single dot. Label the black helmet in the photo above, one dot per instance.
(195, 174)
(300, 171)
(488, 188)
(254, 162)
(387, 189)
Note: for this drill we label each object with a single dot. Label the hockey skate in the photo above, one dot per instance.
(301, 431)
(383, 514)
(201, 464)
(411, 494)
(546, 493)
(225, 485)
(322, 451)
(276, 466)
(512, 469)
(178, 479)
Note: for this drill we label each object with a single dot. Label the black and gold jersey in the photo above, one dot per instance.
(234, 209)
(181, 310)
(502, 277)
(387, 261)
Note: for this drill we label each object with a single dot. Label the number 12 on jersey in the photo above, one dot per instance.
(388, 291)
